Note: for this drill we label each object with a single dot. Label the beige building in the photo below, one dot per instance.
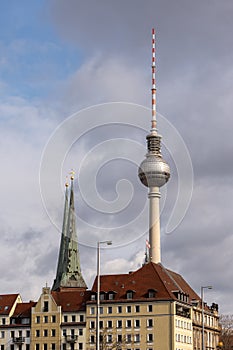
(150, 308)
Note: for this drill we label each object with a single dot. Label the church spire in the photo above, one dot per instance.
(68, 268)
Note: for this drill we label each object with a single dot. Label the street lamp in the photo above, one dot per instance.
(98, 293)
(202, 314)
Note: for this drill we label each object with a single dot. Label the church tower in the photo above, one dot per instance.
(68, 268)
(154, 172)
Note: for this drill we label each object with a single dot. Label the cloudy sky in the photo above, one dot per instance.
(75, 82)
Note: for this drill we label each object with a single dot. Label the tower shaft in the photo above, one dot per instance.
(154, 225)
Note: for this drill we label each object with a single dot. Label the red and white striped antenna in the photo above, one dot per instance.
(153, 89)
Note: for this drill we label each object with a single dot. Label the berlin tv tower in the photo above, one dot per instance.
(154, 172)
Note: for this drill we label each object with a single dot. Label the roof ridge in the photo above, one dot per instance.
(175, 282)
(164, 284)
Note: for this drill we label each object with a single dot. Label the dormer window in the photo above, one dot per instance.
(93, 297)
(152, 293)
(111, 295)
(129, 294)
(102, 296)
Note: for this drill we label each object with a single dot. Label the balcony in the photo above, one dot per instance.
(18, 340)
(71, 338)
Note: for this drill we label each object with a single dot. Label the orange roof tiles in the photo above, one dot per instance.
(6, 303)
(71, 300)
(23, 309)
(150, 276)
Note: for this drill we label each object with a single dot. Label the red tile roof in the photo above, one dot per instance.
(6, 303)
(23, 309)
(71, 300)
(150, 276)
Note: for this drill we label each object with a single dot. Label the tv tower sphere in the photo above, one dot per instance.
(154, 171)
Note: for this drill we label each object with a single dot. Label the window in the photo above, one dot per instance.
(119, 309)
(128, 324)
(93, 297)
(151, 293)
(119, 338)
(129, 294)
(64, 346)
(137, 308)
(45, 332)
(46, 308)
(64, 332)
(149, 322)
(80, 331)
(92, 310)
(2, 334)
(37, 333)
(80, 346)
(137, 323)
(53, 346)
(101, 324)
(81, 318)
(37, 319)
(3, 320)
(2, 347)
(109, 324)
(20, 333)
(25, 320)
(137, 338)
(92, 324)
(110, 310)
(72, 331)
(150, 308)
(92, 339)
(27, 334)
(109, 338)
(37, 346)
(12, 334)
(45, 346)
(101, 310)
(65, 318)
(128, 308)
(102, 296)
(73, 318)
(12, 346)
(111, 296)
(53, 332)
(128, 338)
(45, 319)
(150, 337)
(119, 324)
(53, 318)
(27, 346)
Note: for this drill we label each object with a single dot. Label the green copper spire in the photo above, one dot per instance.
(68, 268)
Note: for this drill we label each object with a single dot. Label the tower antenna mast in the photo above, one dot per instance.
(153, 89)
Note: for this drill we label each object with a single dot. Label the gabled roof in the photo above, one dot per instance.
(7, 302)
(23, 309)
(71, 300)
(151, 276)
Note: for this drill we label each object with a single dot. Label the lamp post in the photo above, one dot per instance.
(202, 314)
(98, 293)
